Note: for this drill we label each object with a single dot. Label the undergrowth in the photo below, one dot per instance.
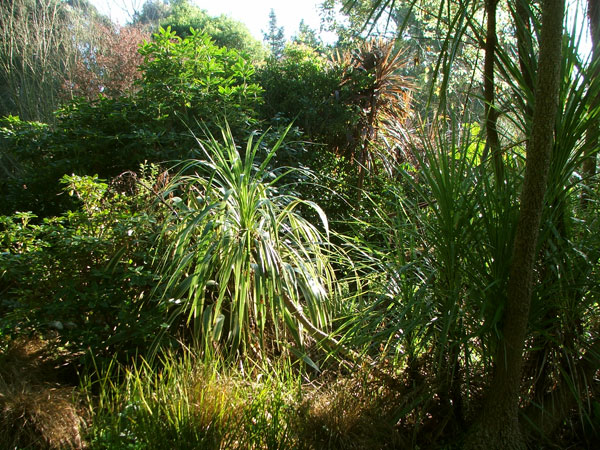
(188, 403)
(183, 402)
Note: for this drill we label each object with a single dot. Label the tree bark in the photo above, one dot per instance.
(498, 425)
(589, 163)
(491, 114)
(522, 19)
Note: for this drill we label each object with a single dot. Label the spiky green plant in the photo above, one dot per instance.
(243, 268)
(443, 265)
(447, 303)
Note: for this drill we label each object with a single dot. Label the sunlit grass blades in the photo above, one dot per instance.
(243, 268)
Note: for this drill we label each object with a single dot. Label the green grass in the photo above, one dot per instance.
(187, 403)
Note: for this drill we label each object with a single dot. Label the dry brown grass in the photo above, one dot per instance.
(36, 410)
(352, 413)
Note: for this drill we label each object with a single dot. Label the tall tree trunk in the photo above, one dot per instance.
(589, 164)
(498, 425)
(522, 20)
(491, 114)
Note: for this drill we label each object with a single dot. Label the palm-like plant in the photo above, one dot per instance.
(383, 97)
(495, 265)
(242, 266)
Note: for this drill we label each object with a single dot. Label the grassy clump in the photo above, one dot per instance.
(37, 409)
(188, 403)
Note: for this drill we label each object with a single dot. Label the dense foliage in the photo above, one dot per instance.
(302, 86)
(390, 243)
(192, 79)
(88, 272)
(184, 82)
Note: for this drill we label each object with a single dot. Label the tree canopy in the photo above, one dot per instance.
(181, 15)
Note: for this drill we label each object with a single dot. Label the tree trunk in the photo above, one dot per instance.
(522, 19)
(498, 425)
(491, 114)
(589, 164)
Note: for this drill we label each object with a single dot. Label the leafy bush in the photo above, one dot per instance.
(24, 184)
(86, 273)
(303, 87)
(106, 138)
(185, 82)
(108, 64)
(191, 79)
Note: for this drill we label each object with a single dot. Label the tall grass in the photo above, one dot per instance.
(188, 403)
(36, 52)
(191, 403)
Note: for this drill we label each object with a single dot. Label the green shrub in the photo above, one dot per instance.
(191, 79)
(86, 273)
(188, 85)
(27, 166)
(302, 86)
